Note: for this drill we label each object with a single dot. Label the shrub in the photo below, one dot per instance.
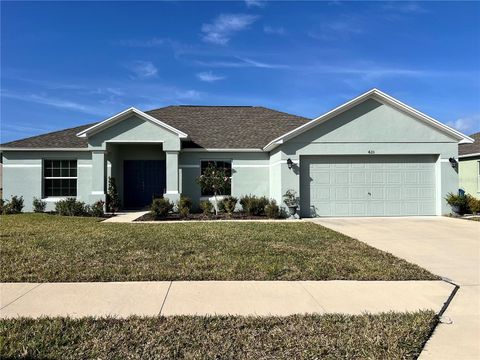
(459, 201)
(290, 198)
(272, 210)
(161, 207)
(253, 205)
(39, 205)
(214, 179)
(2, 206)
(184, 206)
(70, 207)
(96, 209)
(113, 199)
(228, 204)
(473, 204)
(206, 206)
(14, 206)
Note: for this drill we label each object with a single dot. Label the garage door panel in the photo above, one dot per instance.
(368, 185)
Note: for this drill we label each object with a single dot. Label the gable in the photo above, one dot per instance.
(134, 129)
(372, 121)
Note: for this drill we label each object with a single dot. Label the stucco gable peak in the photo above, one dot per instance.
(125, 114)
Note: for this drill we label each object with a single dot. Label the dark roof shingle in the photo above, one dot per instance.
(225, 127)
(474, 148)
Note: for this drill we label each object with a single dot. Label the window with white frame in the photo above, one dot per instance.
(59, 178)
(224, 164)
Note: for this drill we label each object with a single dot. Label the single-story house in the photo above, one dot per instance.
(372, 156)
(469, 166)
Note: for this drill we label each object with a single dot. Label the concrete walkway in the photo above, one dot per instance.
(125, 217)
(262, 298)
(447, 247)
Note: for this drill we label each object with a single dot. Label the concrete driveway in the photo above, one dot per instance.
(447, 247)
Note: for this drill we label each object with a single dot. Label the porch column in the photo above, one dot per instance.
(171, 192)
(98, 176)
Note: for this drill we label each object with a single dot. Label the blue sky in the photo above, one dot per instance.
(66, 63)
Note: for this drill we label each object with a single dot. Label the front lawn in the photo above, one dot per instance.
(331, 336)
(51, 248)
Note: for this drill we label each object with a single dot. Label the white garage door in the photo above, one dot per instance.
(367, 185)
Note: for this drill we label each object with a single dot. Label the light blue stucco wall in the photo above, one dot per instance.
(250, 172)
(22, 174)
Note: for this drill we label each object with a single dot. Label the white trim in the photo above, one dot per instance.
(85, 165)
(189, 166)
(438, 185)
(172, 192)
(468, 155)
(134, 141)
(124, 115)
(444, 160)
(57, 198)
(97, 192)
(377, 95)
(43, 149)
(251, 166)
(220, 150)
(60, 177)
(22, 165)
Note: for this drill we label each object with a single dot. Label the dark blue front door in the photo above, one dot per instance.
(142, 181)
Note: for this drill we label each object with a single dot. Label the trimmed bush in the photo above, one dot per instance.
(113, 199)
(272, 210)
(253, 205)
(473, 204)
(39, 205)
(206, 206)
(96, 209)
(70, 207)
(184, 205)
(228, 204)
(14, 206)
(161, 207)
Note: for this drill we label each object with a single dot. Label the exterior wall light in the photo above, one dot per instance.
(289, 163)
(453, 162)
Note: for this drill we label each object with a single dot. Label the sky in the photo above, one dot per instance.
(65, 64)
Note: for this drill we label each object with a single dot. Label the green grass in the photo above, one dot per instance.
(331, 336)
(50, 248)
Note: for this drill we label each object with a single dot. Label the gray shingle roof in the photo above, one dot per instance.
(466, 149)
(207, 126)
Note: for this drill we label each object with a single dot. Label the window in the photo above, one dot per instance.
(225, 164)
(60, 178)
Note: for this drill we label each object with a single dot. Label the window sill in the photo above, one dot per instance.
(57, 198)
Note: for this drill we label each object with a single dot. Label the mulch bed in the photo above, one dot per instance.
(200, 216)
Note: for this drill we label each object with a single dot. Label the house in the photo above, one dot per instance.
(372, 156)
(469, 166)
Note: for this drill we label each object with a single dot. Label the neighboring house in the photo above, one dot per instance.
(469, 166)
(372, 156)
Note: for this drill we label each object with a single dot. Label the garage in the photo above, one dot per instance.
(373, 185)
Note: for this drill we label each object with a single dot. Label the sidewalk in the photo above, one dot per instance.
(122, 299)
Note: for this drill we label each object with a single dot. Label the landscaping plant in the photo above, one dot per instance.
(184, 205)
(458, 203)
(161, 207)
(473, 204)
(253, 205)
(14, 206)
(71, 207)
(272, 210)
(113, 199)
(206, 206)
(96, 209)
(39, 205)
(214, 179)
(228, 204)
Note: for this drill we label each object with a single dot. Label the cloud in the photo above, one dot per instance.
(467, 124)
(52, 101)
(255, 3)
(143, 69)
(187, 94)
(339, 29)
(208, 76)
(274, 30)
(224, 26)
(407, 7)
(147, 43)
(240, 63)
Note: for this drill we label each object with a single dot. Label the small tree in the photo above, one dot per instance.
(113, 199)
(214, 179)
